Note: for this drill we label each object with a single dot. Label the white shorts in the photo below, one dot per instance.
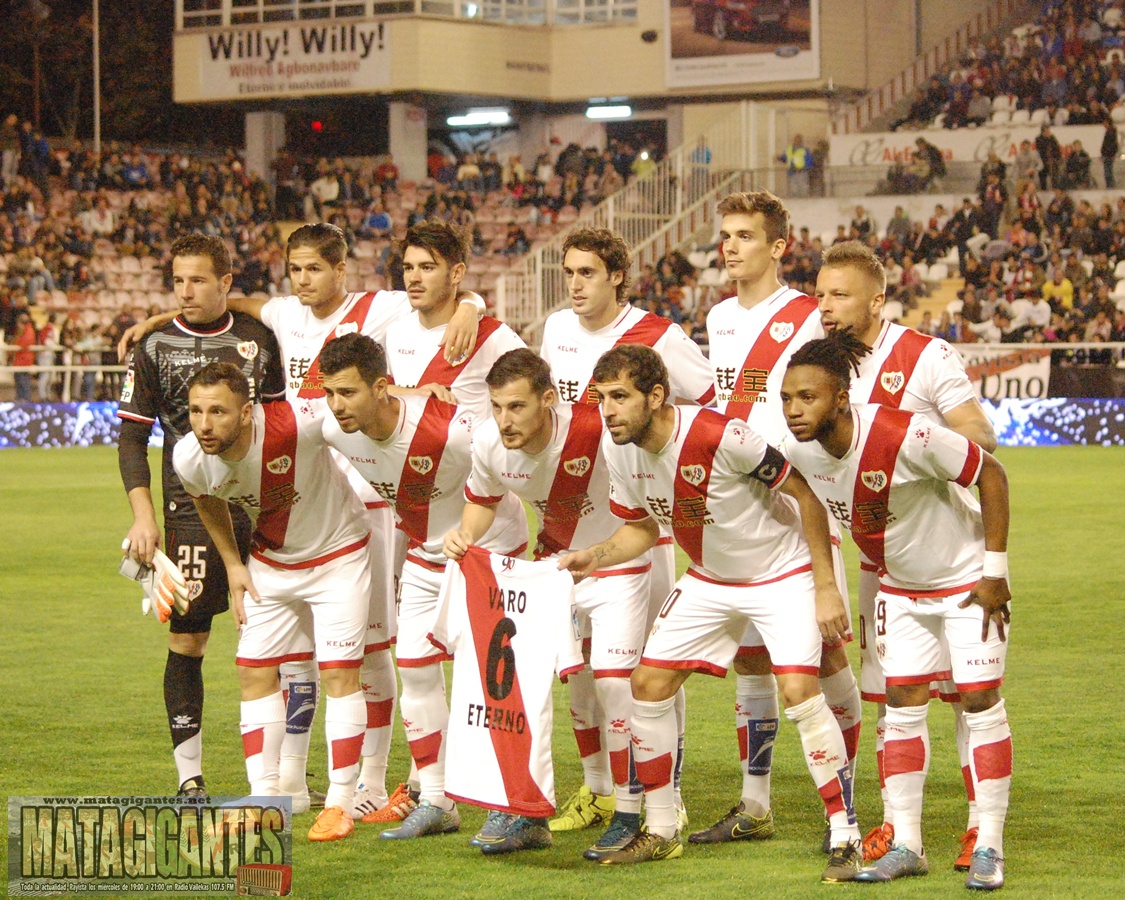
(752, 643)
(700, 623)
(320, 610)
(661, 579)
(872, 681)
(382, 625)
(418, 589)
(612, 612)
(925, 637)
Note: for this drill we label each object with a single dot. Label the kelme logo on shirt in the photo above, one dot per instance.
(420, 464)
(248, 349)
(892, 382)
(781, 331)
(346, 328)
(876, 480)
(280, 465)
(693, 474)
(577, 466)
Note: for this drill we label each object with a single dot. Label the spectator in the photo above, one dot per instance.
(1027, 164)
(9, 149)
(934, 160)
(387, 174)
(1077, 168)
(1059, 291)
(797, 159)
(1050, 152)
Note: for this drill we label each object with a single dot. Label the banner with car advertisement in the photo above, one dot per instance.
(712, 42)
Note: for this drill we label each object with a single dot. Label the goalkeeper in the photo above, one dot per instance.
(156, 388)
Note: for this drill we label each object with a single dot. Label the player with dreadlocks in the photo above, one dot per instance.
(885, 475)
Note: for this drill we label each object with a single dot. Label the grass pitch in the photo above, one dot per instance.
(82, 712)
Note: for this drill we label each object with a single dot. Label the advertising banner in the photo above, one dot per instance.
(714, 42)
(289, 60)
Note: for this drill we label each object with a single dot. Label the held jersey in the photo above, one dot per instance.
(714, 485)
(163, 363)
(421, 470)
(415, 357)
(567, 482)
(302, 336)
(510, 625)
(305, 513)
(912, 371)
(572, 352)
(893, 491)
(749, 349)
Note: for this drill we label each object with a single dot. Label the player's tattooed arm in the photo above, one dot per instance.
(992, 592)
(215, 515)
(461, 334)
(628, 542)
(831, 613)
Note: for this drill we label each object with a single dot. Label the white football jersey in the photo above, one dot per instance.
(893, 491)
(421, 470)
(912, 371)
(713, 484)
(567, 483)
(301, 335)
(415, 356)
(749, 349)
(572, 351)
(304, 512)
(510, 625)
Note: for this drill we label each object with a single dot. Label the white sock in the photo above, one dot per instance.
(615, 696)
(654, 749)
(300, 685)
(423, 705)
(262, 723)
(588, 722)
(990, 752)
(756, 719)
(906, 760)
(966, 770)
(827, 761)
(377, 680)
(345, 719)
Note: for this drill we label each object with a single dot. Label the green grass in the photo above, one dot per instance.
(81, 710)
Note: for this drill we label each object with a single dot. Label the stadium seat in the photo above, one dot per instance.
(939, 121)
(1000, 118)
(1020, 117)
(1088, 266)
(1001, 102)
(1117, 114)
(922, 270)
(892, 311)
(938, 272)
(1119, 270)
(955, 305)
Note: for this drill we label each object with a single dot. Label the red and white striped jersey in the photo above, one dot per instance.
(713, 484)
(893, 491)
(305, 513)
(572, 351)
(510, 625)
(301, 335)
(912, 371)
(567, 483)
(749, 349)
(415, 357)
(421, 470)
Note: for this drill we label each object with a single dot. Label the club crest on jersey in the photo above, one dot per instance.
(420, 464)
(781, 331)
(280, 465)
(892, 382)
(578, 466)
(248, 349)
(693, 474)
(346, 328)
(876, 480)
